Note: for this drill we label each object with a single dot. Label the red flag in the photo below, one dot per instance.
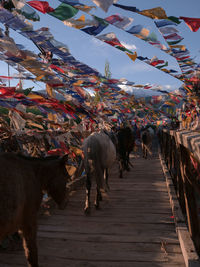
(42, 6)
(56, 68)
(156, 62)
(193, 23)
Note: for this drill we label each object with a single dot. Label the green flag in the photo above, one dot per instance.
(64, 11)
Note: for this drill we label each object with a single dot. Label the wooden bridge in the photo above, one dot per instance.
(135, 226)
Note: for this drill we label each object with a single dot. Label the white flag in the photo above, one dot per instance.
(104, 4)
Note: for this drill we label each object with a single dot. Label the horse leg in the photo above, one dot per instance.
(29, 231)
(145, 154)
(127, 161)
(106, 180)
(88, 188)
(143, 151)
(98, 198)
(99, 182)
(120, 169)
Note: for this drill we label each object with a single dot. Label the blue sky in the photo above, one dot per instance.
(95, 53)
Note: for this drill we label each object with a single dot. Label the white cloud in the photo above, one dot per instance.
(129, 46)
(135, 67)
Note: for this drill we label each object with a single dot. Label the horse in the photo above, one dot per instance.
(99, 155)
(147, 139)
(125, 145)
(23, 182)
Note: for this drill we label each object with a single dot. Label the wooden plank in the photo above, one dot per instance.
(136, 218)
(147, 237)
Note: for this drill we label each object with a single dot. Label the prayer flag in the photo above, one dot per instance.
(167, 30)
(119, 21)
(64, 11)
(154, 13)
(129, 8)
(132, 56)
(94, 30)
(42, 6)
(164, 22)
(173, 36)
(104, 4)
(192, 23)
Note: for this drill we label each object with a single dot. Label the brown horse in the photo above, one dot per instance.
(23, 181)
(126, 142)
(147, 139)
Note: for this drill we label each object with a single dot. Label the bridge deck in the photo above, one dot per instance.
(134, 227)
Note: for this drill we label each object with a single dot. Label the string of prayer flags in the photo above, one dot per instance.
(138, 30)
(102, 24)
(179, 52)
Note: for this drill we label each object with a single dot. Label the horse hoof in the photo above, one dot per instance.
(87, 211)
(107, 189)
(97, 207)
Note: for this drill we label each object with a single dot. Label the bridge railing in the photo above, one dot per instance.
(181, 151)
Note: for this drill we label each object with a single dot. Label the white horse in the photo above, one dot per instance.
(99, 155)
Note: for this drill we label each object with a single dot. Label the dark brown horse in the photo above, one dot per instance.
(147, 139)
(23, 181)
(125, 146)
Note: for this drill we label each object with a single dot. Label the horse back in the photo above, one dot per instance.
(99, 149)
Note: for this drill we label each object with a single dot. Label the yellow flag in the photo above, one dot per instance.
(76, 150)
(154, 13)
(76, 23)
(70, 169)
(78, 82)
(34, 96)
(49, 91)
(82, 18)
(165, 70)
(132, 56)
(52, 117)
